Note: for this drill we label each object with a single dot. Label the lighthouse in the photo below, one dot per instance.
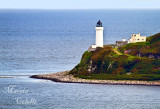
(99, 34)
(99, 37)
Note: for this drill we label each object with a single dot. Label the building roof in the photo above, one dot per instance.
(121, 41)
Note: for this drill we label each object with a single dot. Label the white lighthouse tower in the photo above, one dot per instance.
(99, 37)
(99, 34)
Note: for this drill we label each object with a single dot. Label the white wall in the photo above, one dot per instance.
(99, 36)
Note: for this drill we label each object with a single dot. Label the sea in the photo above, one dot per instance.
(49, 41)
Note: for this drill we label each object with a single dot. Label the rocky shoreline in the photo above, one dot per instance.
(5, 77)
(66, 78)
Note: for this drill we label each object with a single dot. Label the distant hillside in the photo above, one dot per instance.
(106, 63)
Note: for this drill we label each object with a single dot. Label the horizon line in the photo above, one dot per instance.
(80, 9)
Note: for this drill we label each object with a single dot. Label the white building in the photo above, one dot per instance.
(137, 38)
(99, 35)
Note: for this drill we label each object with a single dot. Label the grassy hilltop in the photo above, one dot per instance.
(111, 64)
(151, 48)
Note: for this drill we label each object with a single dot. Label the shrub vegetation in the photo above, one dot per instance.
(105, 64)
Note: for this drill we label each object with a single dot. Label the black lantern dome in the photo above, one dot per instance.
(99, 24)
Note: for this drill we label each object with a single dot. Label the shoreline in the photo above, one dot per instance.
(6, 77)
(63, 77)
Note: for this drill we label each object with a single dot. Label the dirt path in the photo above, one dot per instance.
(116, 51)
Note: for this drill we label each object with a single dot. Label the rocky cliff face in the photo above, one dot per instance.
(106, 61)
(142, 63)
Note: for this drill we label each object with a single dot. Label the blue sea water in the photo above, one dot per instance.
(48, 41)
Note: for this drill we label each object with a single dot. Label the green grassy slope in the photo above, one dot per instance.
(105, 63)
(151, 47)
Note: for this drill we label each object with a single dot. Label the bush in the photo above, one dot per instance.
(141, 77)
(154, 38)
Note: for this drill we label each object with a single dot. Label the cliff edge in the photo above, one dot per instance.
(141, 63)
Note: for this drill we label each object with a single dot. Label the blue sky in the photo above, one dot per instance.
(78, 4)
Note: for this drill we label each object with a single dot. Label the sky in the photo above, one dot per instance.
(79, 4)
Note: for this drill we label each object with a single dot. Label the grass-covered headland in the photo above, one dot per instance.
(142, 63)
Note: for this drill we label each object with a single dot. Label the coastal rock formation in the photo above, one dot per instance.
(109, 63)
(66, 78)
